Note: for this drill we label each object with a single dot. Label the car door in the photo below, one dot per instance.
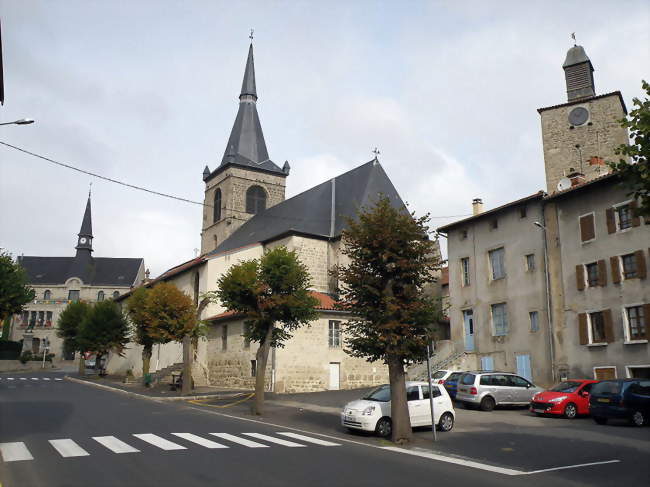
(416, 405)
(497, 386)
(582, 398)
(440, 404)
(520, 389)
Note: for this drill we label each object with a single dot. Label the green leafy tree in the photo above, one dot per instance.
(104, 329)
(15, 292)
(635, 169)
(68, 328)
(273, 294)
(136, 308)
(391, 260)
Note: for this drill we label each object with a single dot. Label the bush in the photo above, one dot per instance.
(26, 357)
(10, 350)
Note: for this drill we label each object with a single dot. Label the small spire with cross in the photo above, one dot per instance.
(90, 189)
(376, 152)
(251, 35)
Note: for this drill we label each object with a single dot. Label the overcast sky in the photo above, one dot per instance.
(146, 92)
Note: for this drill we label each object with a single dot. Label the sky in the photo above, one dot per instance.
(147, 91)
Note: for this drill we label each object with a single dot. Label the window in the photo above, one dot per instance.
(517, 381)
(100, 296)
(73, 295)
(196, 288)
(467, 379)
(592, 274)
(413, 393)
(334, 334)
(464, 266)
(41, 318)
(494, 224)
(587, 228)
(425, 392)
(32, 318)
(629, 266)
(48, 318)
(25, 318)
(597, 327)
(116, 294)
(255, 200)
(47, 295)
(522, 212)
(497, 263)
(463, 234)
(253, 368)
(216, 213)
(534, 320)
(247, 330)
(224, 337)
(636, 323)
(623, 217)
(500, 319)
(530, 262)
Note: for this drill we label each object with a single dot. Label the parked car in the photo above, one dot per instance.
(451, 383)
(623, 398)
(490, 389)
(569, 399)
(441, 375)
(373, 413)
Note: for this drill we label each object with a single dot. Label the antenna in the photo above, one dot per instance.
(564, 183)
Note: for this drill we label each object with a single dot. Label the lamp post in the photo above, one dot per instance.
(548, 300)
(20, 121)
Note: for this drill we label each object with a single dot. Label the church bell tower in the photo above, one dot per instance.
(247, 181)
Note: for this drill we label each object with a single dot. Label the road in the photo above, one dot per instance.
(60, 433)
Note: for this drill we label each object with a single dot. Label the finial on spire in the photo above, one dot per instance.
(251, 35)
(376, 152)
(573, 36)
(90, 189)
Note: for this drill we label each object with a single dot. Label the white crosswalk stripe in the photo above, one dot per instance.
(114, 444)
(309, 439)
(271, 439)
(199, 441)
(58, 379)
(68, 448)
(10, 378)
(161, 443)
(240, 441)
(23, 378)
(46, 378)
(15, 452)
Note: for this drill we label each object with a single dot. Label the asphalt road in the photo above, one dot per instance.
(60, 433)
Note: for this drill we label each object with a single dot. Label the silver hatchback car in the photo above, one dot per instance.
(489, 389)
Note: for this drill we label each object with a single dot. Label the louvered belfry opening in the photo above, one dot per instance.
(579, 81)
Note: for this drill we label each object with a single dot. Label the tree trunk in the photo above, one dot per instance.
(146, 359)
(402, 431)
(98, 363)
(82, 364)
(261, 358)
(186, 388)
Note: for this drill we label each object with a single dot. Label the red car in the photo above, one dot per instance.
(568, 399)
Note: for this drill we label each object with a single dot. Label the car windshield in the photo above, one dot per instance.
(439, 374)
(606, 388)
(567, 386)
(381, 394)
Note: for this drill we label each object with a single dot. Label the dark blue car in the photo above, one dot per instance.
(621, 399)
(451, 384)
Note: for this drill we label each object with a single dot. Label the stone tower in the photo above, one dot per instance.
(580, 135)
(247, 181)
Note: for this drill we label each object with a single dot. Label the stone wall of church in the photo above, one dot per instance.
(598, 138)
(314, 253)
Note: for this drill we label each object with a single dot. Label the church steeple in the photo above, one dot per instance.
(85, 240)
(579, 74)
(248, 84)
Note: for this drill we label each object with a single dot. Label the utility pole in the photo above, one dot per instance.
(433, 416)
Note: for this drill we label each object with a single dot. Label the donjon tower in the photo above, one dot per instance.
(247, 181)
(580, 136)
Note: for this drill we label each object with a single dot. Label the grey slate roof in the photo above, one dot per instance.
(87, 224)
(98, 271)
(575, 55)
(319, 211)
(248, 84)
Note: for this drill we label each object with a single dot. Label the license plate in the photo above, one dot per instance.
(538, 411)
(602, 400)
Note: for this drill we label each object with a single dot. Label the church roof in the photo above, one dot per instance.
(575, 55)
(87, 224)
(320, 211)
(100, 271)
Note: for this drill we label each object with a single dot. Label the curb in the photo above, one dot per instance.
(143, 396)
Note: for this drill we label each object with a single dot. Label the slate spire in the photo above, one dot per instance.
(248, 84)
(85, 241)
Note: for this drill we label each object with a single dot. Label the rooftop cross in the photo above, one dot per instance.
(376, 152)
(251, 35)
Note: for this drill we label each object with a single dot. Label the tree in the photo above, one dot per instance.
(15, 292)
(636, 174)
(104, 329)
(391, 260)
(68, 328)
(136, 308)
(271, 291)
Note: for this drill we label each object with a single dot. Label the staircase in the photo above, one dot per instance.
(165, 375)
(419, 371)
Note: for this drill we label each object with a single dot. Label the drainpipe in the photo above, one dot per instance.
(549, 317)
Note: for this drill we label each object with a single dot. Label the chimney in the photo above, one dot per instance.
(576, 178)
(477, 206)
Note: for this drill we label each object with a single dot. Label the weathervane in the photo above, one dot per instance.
(251, 35)
(573, 36)
(376, 152)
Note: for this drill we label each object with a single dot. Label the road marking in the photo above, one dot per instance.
(46, 378)
(159, 442)
(23, 378)
(241, 441)
(308, 439)
(10, 378)
(34, 378)
(15, 452)
(68, 448)
(270, 439)
(199, 441)
(114, 444)
(572, 466)
(58, 379)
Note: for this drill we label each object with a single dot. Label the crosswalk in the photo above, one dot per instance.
(30, 379)
(139, 442)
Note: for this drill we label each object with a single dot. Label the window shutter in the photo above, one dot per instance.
(587, 227)
(611, 222)
(609, 328)
(580, 277)
(641, 271)
(616, 269)
(602, 273)
(646, 318)
(636, 221)
(582, 329)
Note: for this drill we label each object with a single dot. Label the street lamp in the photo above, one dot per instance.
(20, 121)
(549, 319)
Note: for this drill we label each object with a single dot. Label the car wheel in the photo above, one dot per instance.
(488, 403)
(638, 419)
(446, 422)
(384, 427)
(570, 411)
(600, 420)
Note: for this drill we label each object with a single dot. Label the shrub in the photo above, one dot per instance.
(10, 350)
(26, 357)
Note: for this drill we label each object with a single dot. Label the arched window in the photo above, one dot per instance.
(217, 206)
(47, 295)
(255, 200)
(100, 296)
(196, 289)
(116, 294)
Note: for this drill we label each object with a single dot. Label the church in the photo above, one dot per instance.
(245, 214)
